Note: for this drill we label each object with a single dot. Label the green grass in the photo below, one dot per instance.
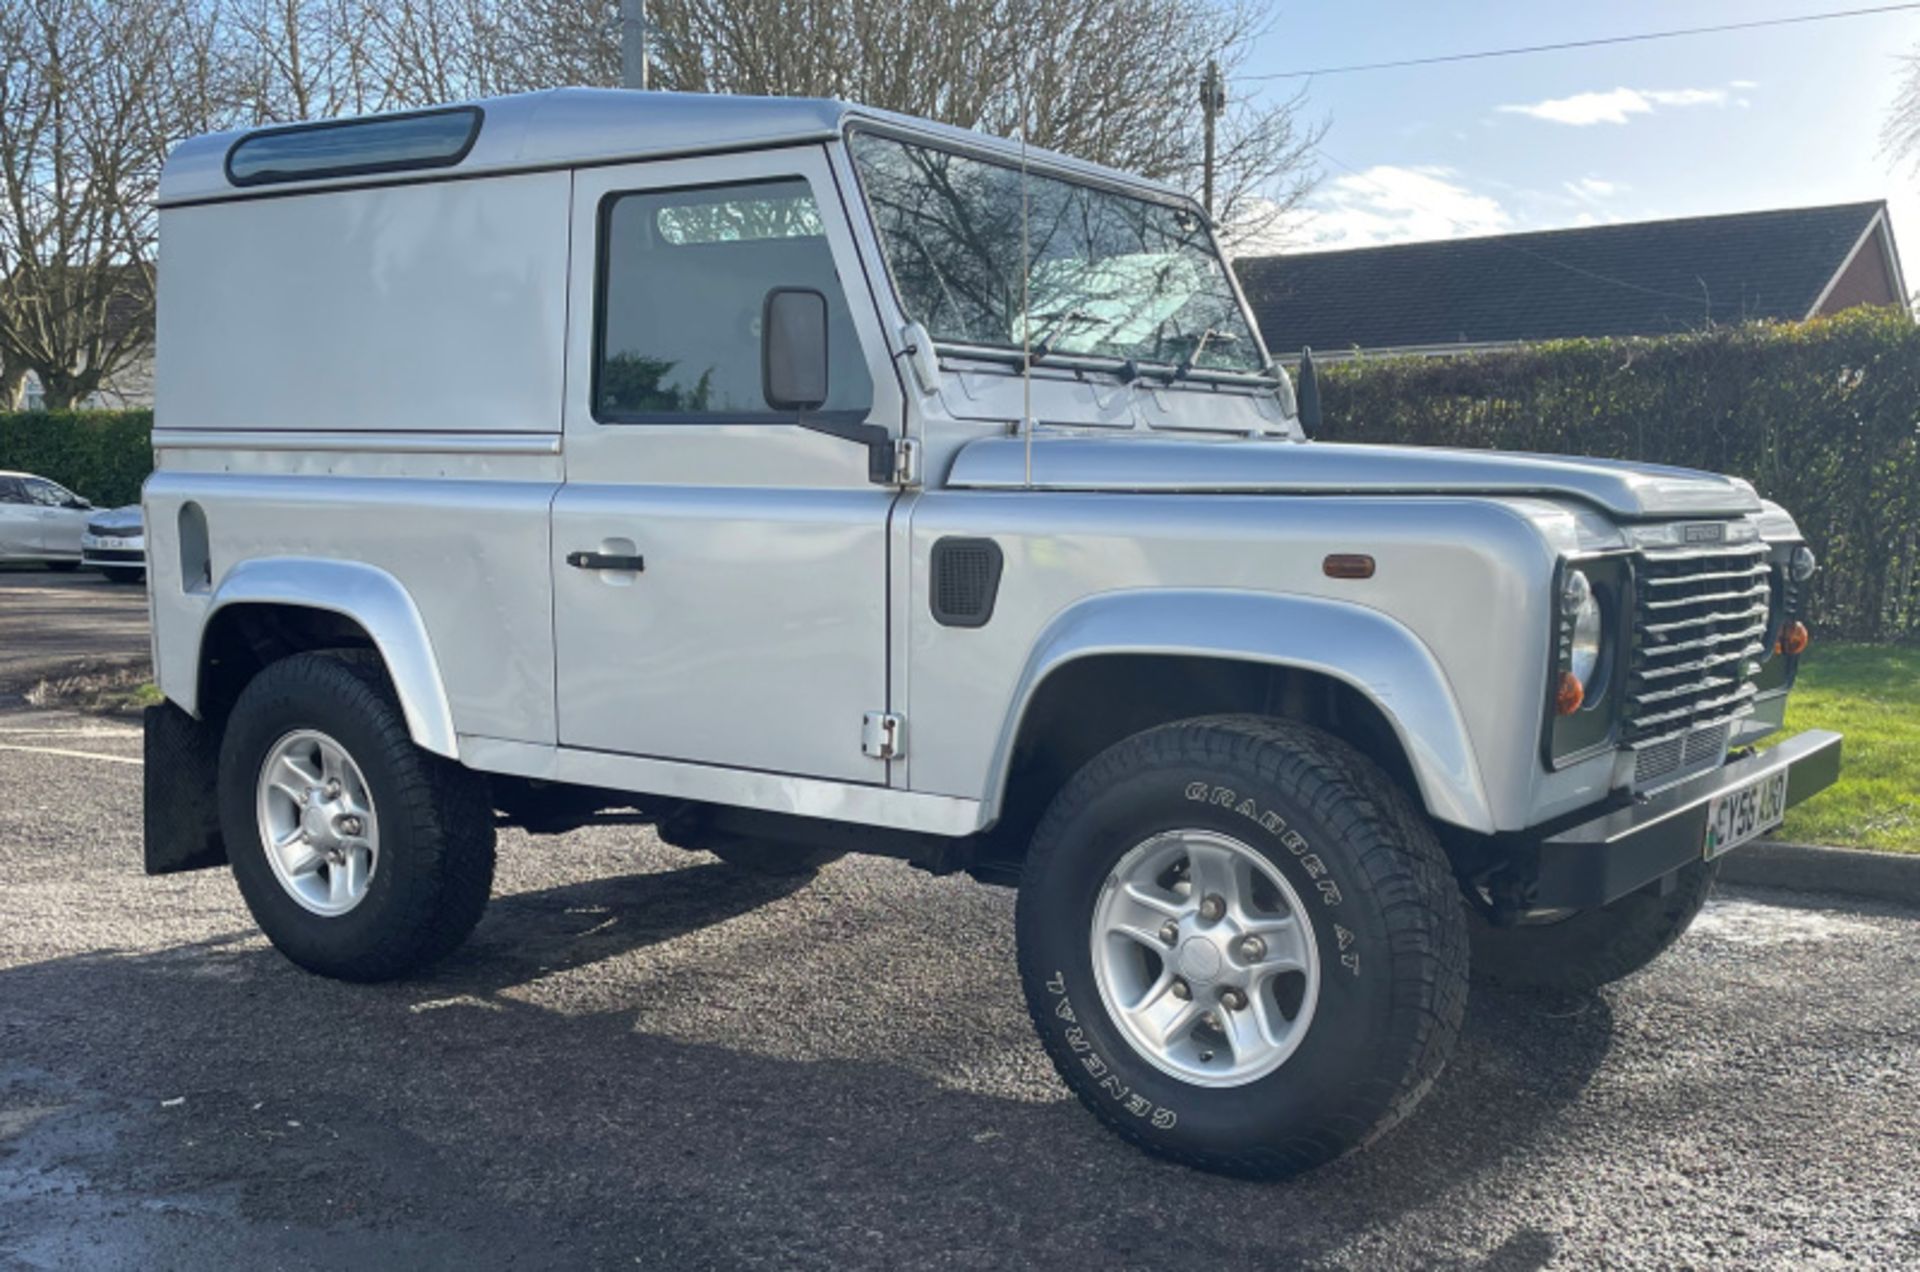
(1871, 694)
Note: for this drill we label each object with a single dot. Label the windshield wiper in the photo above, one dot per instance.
(1211, 334)
(1056, 327)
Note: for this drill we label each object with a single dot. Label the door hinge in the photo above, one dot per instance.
(884, 736)
(906, 462)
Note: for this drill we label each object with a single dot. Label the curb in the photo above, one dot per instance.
(1851, 872)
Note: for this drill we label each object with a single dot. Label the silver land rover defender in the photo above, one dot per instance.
(813, 479)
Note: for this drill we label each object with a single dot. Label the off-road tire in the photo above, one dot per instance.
(1592, 947)
(1386, 918)
(435, 869)
(782, 861)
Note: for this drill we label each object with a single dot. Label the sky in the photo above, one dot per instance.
(1772, 118)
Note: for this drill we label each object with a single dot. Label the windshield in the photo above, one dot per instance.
(1110, 275)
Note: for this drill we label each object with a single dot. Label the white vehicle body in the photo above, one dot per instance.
(386, 417)
(40, 520)
(115, 543)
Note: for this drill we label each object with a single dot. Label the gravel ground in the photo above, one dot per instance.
(646, 1058)
(48, 622)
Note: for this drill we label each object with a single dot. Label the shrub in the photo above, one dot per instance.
(103, 455)
(1822, 416)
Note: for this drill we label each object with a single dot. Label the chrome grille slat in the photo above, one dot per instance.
(1715, 577)
(1710, 598)
(1700, 620)
(1700, 664)
(1700, 711)
(1728, 616)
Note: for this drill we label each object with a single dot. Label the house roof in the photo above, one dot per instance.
(1647, 278)
(564, 127)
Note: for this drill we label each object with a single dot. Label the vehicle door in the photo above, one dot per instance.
(19, 520)
(720, 562)
(61, 516)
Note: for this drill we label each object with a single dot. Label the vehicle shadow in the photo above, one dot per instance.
(531, 1098)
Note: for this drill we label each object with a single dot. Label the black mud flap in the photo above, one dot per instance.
(182, 819)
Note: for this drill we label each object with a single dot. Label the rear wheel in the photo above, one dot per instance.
(360, 855)
(1241, 944)
(1590, 948)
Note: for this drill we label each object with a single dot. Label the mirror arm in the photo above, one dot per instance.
(876, 438)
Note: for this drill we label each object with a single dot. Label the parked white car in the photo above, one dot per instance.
(814, 479)
(115, 543)
(40, 520)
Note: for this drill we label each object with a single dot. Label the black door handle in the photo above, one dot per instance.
(605, 561)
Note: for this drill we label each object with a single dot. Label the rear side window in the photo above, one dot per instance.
(11, 491)
(354, 147)
(684, 276)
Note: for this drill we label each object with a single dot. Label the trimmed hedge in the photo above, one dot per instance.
(1822, 416)
(103, 455)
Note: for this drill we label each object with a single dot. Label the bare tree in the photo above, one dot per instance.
(1114, 81)
(91, 93)
(1900, 134)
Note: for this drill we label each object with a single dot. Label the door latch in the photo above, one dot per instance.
(883, 736)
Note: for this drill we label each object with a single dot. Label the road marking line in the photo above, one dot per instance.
(78, 755)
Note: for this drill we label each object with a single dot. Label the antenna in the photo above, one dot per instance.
(1026, 299)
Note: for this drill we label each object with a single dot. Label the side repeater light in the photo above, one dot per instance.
(1348, 565)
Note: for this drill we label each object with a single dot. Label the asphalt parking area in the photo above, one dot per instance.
(647, 1058)
(49, 621)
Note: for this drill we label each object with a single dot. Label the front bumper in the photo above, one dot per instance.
(118, 552)
(1603, 859)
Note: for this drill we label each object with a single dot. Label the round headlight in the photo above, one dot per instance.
(1802, 564)
(1586, 630)
(1575, 592)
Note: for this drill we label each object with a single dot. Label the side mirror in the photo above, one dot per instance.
(80, 505)
(793, 349)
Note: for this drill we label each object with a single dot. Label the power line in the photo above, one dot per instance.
(1586, 44)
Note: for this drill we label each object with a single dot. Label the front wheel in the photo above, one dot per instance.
(360, 855)
(1241, 944)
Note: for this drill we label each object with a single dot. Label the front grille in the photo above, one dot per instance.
(1700, 624)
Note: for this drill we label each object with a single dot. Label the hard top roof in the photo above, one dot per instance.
(566, 127)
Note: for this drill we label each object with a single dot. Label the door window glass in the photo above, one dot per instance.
(11, 491)
(46, 494)
(684, 276)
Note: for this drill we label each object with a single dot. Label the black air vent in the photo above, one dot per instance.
(966, 578)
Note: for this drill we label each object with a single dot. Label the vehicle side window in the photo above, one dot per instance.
(46, 494)
(683, 281)
(11, 491)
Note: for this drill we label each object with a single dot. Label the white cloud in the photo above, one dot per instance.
(1592, 189)
(1392, 204)
(1743, 84)
(1615, 106)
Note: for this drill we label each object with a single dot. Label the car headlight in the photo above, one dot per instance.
(1801, 565)
(1584, 634)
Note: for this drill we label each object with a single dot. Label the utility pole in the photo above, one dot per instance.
(1213, 100)
(633, 43)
